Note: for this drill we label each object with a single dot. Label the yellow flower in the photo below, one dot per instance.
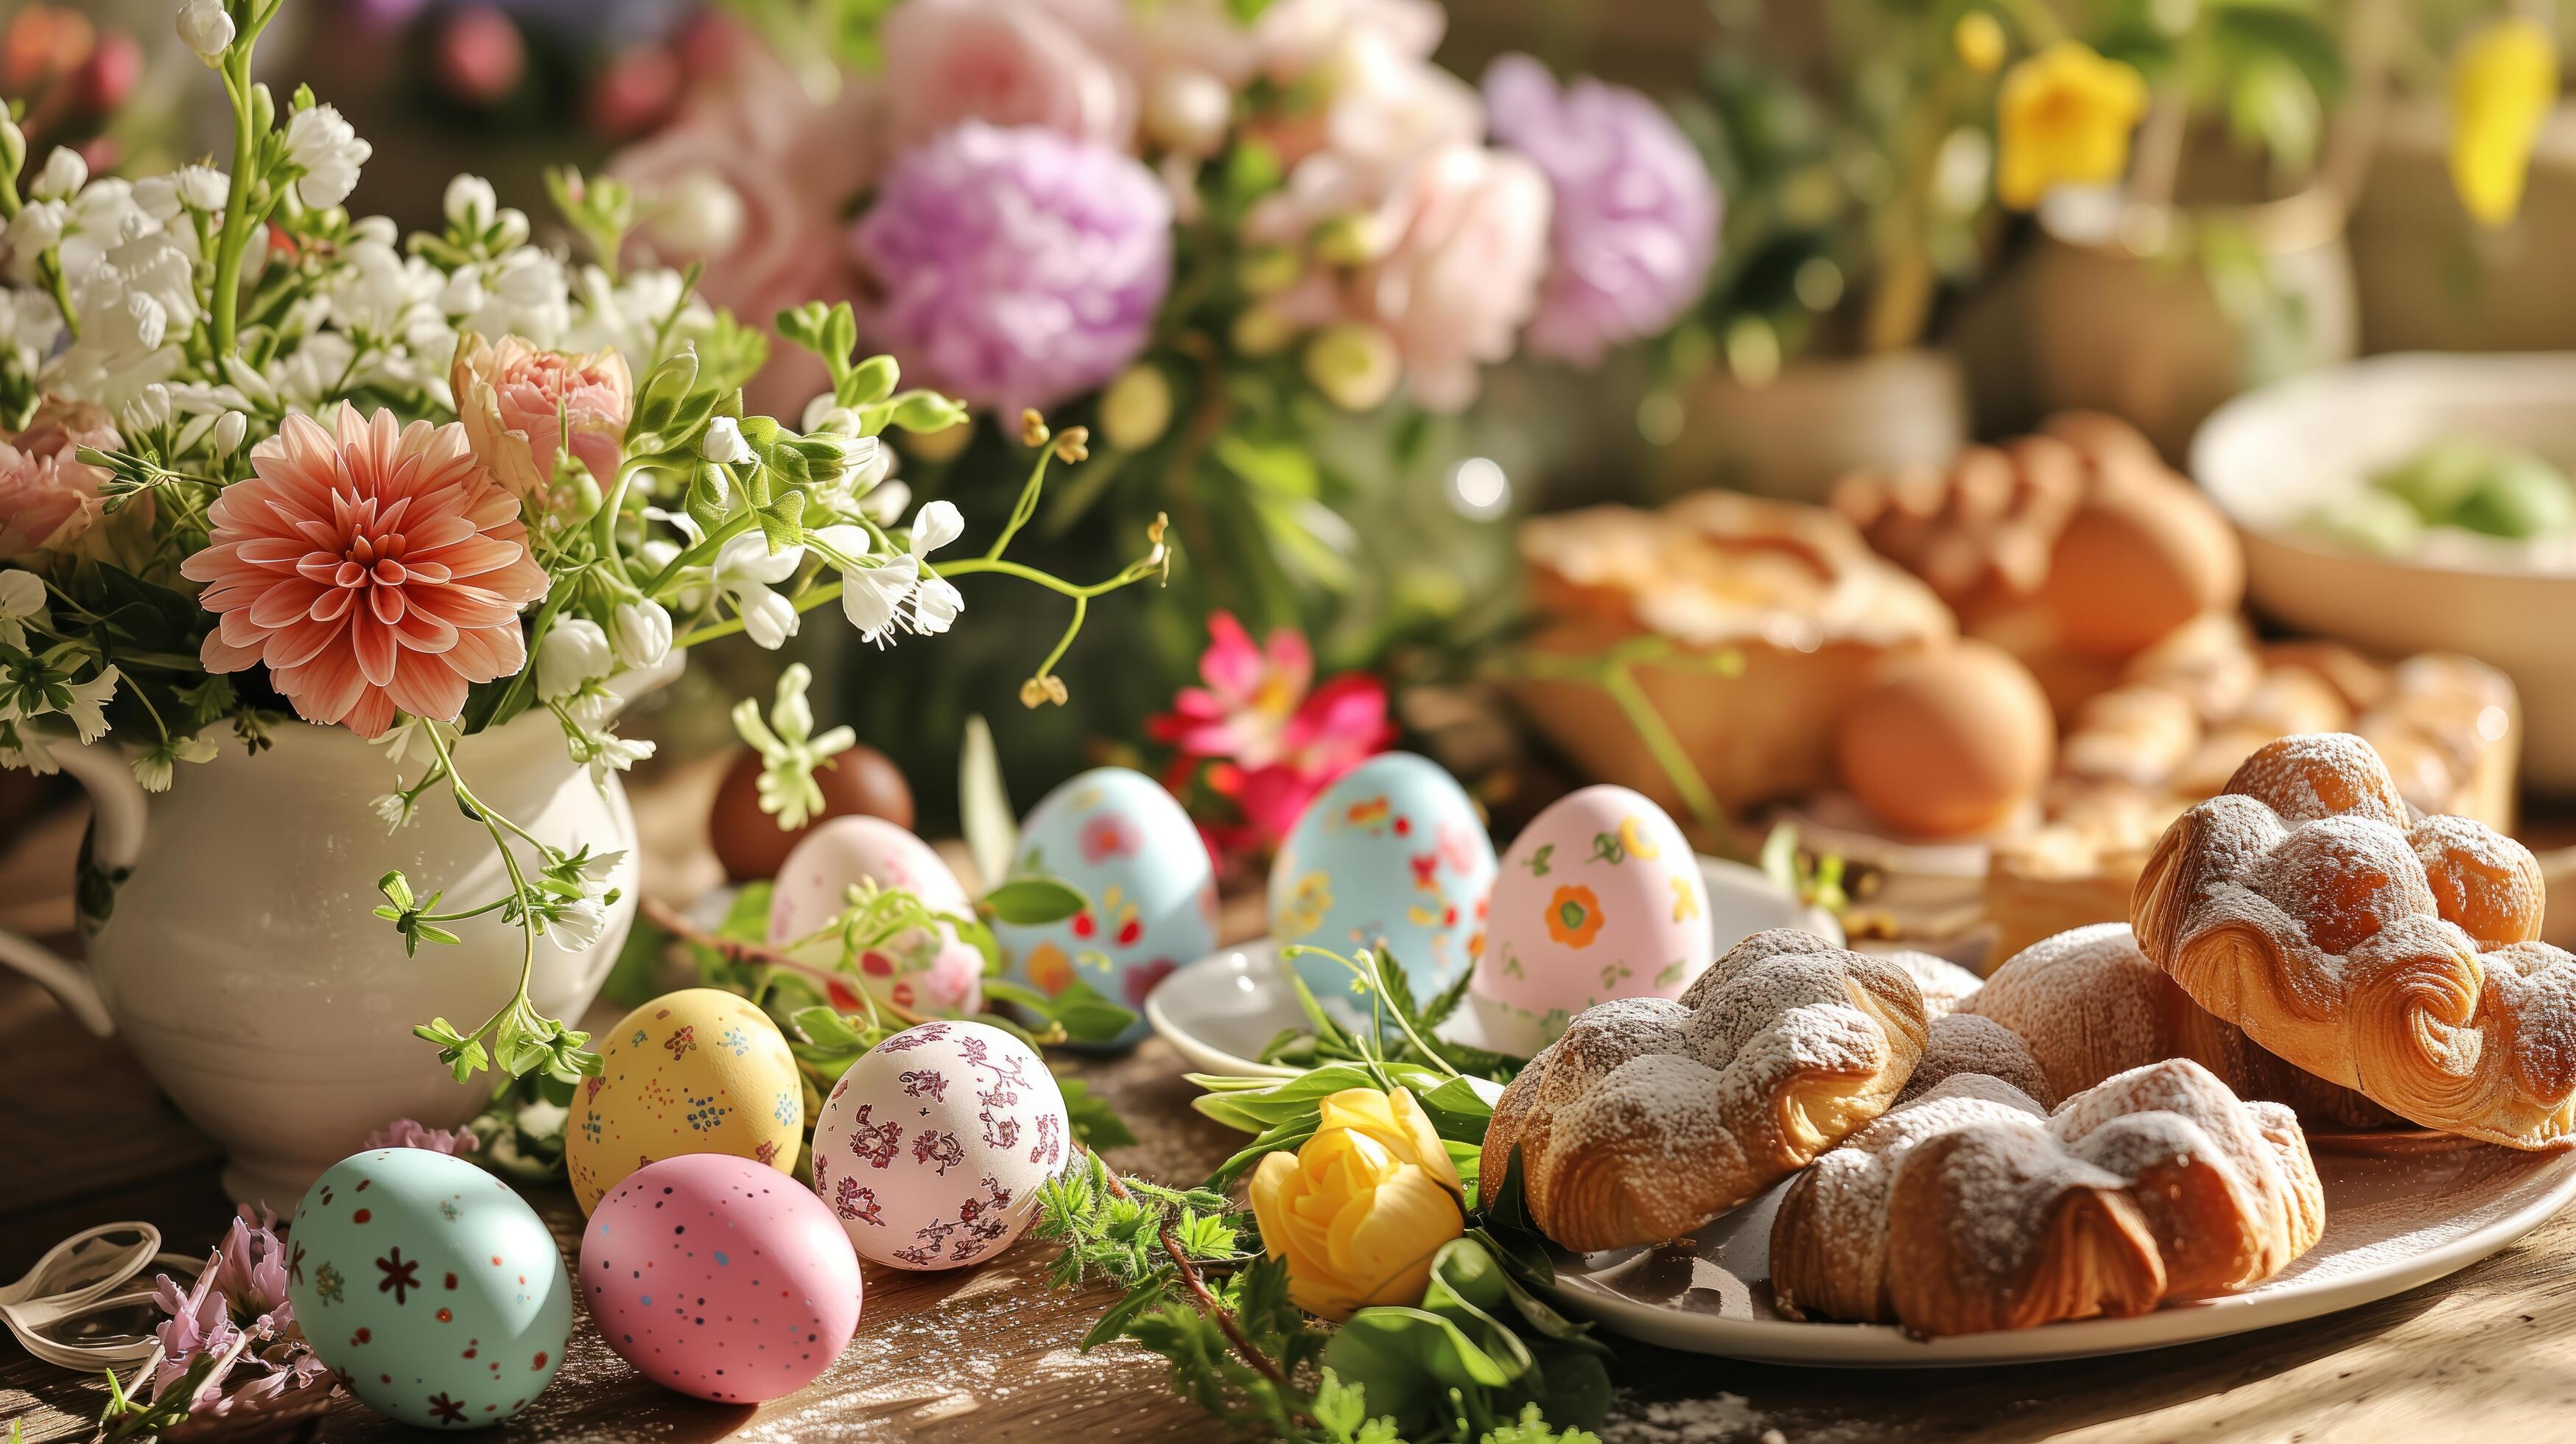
(2503, 82)
(1979, 41)
(1360, 1209)
(2064, 117)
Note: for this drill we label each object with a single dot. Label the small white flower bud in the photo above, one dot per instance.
(63, 176)
(205, 29)
(510, 228)
(229, 430)
(470, 203)
(642, 633)
(723, 443)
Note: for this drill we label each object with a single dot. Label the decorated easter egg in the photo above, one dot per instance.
(1392, 857)
(923, 969)
(1599, 898)
(429, 1286)
(697, 1071)
(714, 1276)
(931, 1148)
(1124, 841)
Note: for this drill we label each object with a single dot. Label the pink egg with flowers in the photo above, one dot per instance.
(923, 970)
(1600, 897)
(720, 1277)
(931, 1148)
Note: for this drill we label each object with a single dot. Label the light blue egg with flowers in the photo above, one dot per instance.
(1127, 844)
(430, 1286)
(1394, 857)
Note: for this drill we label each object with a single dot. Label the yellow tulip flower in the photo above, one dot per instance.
(1360, 1209)
(2503, 82)
(2064, 117)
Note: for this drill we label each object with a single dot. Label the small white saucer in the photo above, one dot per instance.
(1222, 1010)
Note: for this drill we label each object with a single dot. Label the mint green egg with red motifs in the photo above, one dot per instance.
(429, 1286)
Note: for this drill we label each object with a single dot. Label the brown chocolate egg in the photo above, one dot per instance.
(1948, 742)
(750, 843)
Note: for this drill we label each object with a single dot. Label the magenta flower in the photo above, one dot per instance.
(1016, 267)
(1260, 738)
(1635, 223)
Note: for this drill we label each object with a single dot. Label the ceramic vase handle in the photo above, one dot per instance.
(116, 838)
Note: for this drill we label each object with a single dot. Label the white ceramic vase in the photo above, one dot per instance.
(232, 939)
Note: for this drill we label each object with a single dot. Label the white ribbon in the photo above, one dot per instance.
(90, 1274)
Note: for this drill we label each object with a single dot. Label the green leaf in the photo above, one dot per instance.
(1095, 1124)
(1032, 901)
(1080, 1010)
(826, 1027)
(782, 523)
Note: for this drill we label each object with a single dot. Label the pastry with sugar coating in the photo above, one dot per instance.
(1972, 1208)
(2391, 954)
(1651, 1116)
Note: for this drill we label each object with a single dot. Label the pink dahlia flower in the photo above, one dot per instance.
(1635, 220)
(1015, 267)
(522, 408)
(377, 570)
(48, 496)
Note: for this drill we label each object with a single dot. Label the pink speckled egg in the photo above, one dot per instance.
(715, 1276)
(924, 970)
(931, 1148)
(1600, 897)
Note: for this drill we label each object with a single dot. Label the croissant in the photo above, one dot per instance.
(2089, 1005)
(1651, 1116)
(1972, 1208)
(2309, 907)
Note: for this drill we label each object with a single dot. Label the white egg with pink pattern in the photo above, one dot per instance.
(931, 1148)
(922, 970)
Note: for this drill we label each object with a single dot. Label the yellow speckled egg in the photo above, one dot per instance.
(697, 1071)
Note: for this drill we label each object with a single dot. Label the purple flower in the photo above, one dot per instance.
(1635, 223)
(236, 1313)
(1015, 267)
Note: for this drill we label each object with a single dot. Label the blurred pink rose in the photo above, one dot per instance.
(523, 407)
(1453, 250)
(751, 180)
(1064, 65)
(48, 496)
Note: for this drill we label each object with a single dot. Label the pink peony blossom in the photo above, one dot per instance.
(48, 497)
(522, 407)
(1061, 65)
(1260, 739)
(1457, 243)
(376, 570)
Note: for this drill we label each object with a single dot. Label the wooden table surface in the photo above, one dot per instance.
(987, 1355)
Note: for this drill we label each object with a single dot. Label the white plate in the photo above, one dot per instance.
(1223, 1009)
(2391, 1223)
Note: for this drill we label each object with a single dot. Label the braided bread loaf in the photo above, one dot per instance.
(2308, 906)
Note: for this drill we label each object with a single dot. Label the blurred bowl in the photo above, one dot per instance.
(2271, 457)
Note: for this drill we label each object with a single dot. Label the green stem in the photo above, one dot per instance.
(603, 527)
(1026, 507)
(805, 601)
(519, 889)
(699, 555)
(235, 238)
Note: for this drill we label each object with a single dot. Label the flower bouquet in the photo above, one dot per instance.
(268, 465)
(1268, 252)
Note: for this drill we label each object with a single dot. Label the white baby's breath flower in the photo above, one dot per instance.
(88, 706)
(205, 29)
(723, 443)
(22, 600)
(872, 596)
(936, 526)
(327, 149)
(575, 651)
(576, 924)
(469, 203)
(37, 228)
(612, 753)
(395, 808)
(202, 187)
(63, 176)
(744, 572)
(641, 630)
(935, 606)
(156, 768)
